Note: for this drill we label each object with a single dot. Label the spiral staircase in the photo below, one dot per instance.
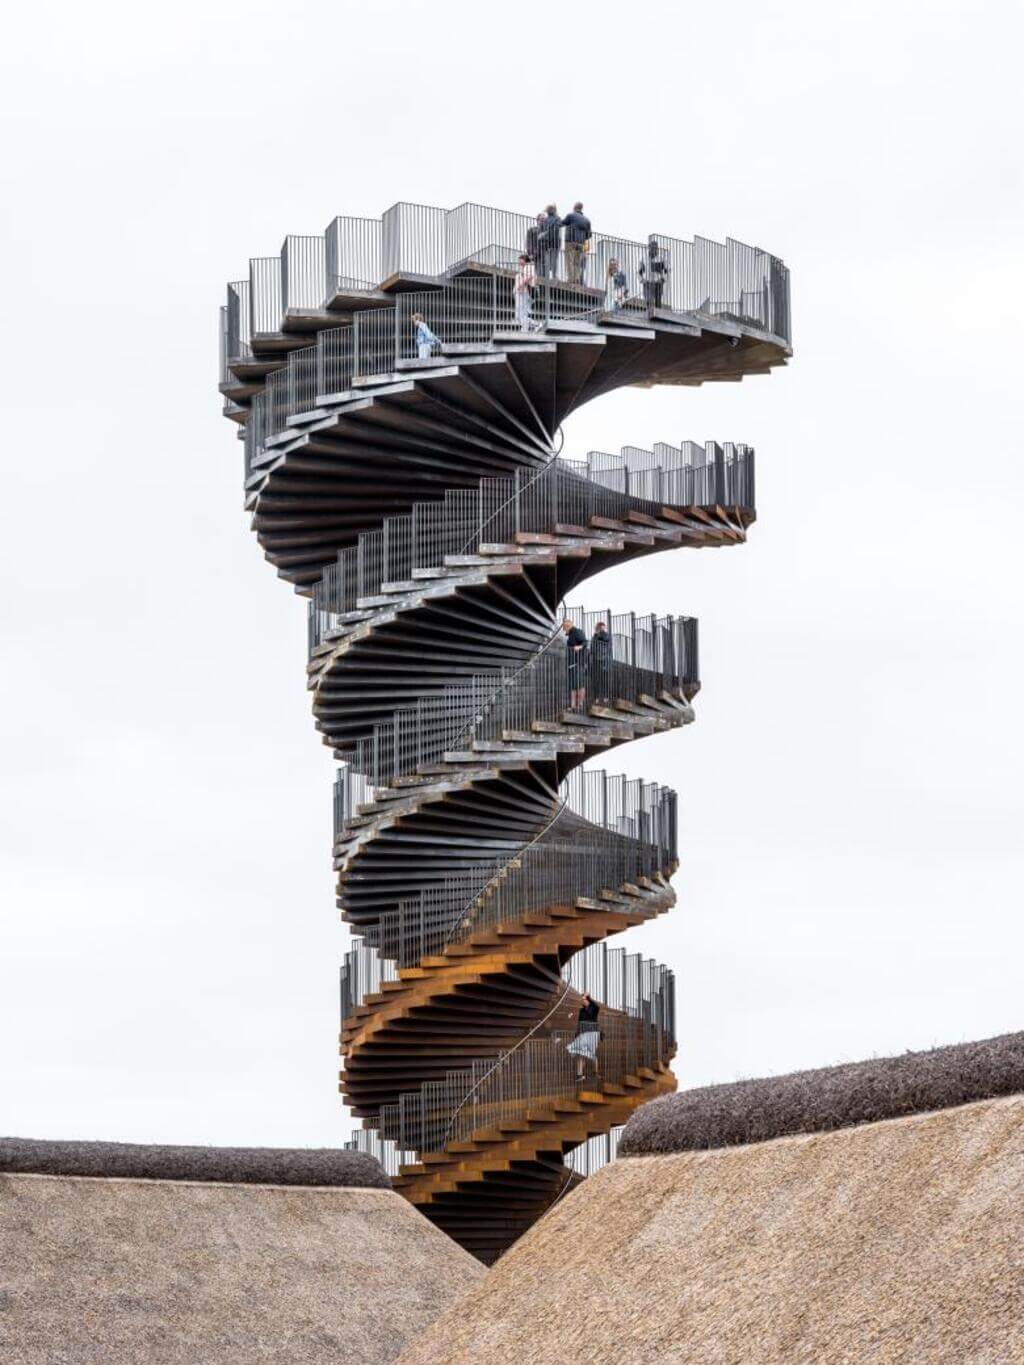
(420, 501)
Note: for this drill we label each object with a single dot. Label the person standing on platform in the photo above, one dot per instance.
(601, 663)
(654, 272)
(550, 240)
(533, 238)
(577, 238)
(615, 287)
(576, 663)
(426, 341)
(522, 292)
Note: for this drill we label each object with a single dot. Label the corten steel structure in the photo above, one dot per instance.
(401, 412)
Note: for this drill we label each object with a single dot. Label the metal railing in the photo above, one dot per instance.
(238, 335)
(636, 1033)
(467, 315)
(634, 662)
(562, 493)
(590, 1156)
(352, 258)
(303, 272)
(266, 301)
(412, 240)
(608, 832)
(730, 280)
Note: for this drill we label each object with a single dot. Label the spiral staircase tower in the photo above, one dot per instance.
(415, 492)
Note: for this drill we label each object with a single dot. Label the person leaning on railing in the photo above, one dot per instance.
(588, 1035)
(522, 292)
(577, 243)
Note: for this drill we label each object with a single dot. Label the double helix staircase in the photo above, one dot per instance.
(421, 504)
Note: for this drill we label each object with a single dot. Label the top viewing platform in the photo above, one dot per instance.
(362, 263)
(390, 359)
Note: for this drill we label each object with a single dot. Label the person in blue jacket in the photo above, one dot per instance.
(426, 341)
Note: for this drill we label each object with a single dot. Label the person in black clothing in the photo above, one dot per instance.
(653, 272)
(550, 237)
(601, 663)
(575, 658)
(588, 1035)
(577, 235)
(533, 239)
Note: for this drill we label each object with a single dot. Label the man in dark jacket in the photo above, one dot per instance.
(533, 239)
(654, 272)
(550, 236)
(577, 235)
(575, 662)
(601, 663)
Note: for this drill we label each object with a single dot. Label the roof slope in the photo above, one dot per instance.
(104, 1271)
(893, 1241)
(829, 1097)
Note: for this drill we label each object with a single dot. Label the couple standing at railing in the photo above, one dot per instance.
(543, 242)
(583, 658)
(540, 259)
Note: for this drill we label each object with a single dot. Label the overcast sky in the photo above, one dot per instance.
(850, 795)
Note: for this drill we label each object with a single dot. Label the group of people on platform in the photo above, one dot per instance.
(547, 251)
(556, 251)
(587, 662)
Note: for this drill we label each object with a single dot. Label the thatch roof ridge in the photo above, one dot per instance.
(827, 1098)
(308, 1166)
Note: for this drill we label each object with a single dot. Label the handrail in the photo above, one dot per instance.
(506, 683)
(560, 809)
(724, 477)
(502, 1060)
(516, 495)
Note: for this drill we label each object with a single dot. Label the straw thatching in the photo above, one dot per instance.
(896, 1241)
(828, 1098)
(236, 1165)
(101, 1271)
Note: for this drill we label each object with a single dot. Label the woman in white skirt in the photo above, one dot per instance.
(588, 1035)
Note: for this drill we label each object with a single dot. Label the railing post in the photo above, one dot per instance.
(721, 493)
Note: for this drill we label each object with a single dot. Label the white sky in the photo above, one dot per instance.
(850, 794)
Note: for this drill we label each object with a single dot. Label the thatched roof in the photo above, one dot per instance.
(897, 1241)
(236, 1165)
(828, 1098)
(120, 1272)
